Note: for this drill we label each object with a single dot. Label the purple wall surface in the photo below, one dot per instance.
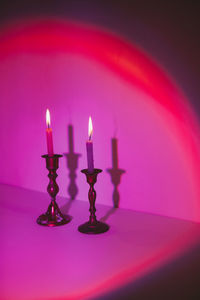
(134, 71)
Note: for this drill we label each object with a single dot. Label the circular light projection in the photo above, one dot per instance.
(79, 70)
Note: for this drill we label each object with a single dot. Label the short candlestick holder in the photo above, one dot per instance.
(53, 216)
(92, 226)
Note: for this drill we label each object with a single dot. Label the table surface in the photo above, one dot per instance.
(58, 263)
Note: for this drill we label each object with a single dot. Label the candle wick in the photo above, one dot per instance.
(48, 125)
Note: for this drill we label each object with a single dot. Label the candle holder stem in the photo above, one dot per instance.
(92, 226)
(53, 215)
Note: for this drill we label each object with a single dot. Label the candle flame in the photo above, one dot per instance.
(90, 128)
(48, 118)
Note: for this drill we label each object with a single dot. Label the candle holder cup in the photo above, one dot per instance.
(92, 226)
(53, 216)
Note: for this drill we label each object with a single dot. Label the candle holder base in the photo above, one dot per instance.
(97, 228)
(53, 217)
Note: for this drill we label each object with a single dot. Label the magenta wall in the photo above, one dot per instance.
(76, 71)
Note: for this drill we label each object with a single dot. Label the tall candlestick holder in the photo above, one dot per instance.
(92, 226)
(53, 216)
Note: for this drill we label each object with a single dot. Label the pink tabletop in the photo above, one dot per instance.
(40, 263)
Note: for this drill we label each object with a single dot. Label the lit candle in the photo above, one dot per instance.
(89, 147)
(49, 134)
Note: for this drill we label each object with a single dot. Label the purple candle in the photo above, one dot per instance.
(89, 147)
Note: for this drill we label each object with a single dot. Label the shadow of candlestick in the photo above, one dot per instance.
(115, 172)
(110, 212)
(72, 164)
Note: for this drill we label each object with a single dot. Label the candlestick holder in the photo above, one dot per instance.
(92, 226)
(53, 215)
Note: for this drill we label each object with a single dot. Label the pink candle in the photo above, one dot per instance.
(49, 134)
(89, 147)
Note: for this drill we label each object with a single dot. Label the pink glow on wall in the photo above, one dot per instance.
(77, 71)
